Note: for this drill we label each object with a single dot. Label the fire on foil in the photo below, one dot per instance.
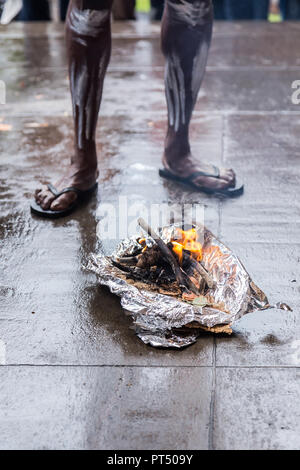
(177, 282)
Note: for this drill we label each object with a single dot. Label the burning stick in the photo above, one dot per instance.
(203, 273)
(183, 280)
(128, 260)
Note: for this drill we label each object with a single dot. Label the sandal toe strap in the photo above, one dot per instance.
(215, 174)
(57, 193)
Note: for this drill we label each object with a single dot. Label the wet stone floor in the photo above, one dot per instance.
(73, 374)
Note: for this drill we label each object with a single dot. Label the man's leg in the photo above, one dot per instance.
(186, 36)
(88, 47)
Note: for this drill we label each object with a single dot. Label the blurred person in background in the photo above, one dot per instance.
(219, 9)
(157, 7)
(246, 9)
(185, 38)
(63, 8)
(35, 10)
(228, 9)
(123, 9)
(39, 10)
(1, 6)
(290, 9)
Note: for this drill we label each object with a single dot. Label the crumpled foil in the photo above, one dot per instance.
(164, 321)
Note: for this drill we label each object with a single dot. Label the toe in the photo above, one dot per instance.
(63, 202)
(36, 193)
(232, 178)
(228, 175)
(212, 183)
(40, 194)
(46, 201)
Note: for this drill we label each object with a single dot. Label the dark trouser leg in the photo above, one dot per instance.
(88, 47)
(261, 9)
(63, 7)
(158, 7)
(186, 36)
(35, 10)
(219, 13)
(292, 10)
(246, 9)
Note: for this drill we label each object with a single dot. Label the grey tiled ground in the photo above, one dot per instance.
(256, 409)
(75, 375)
(105, 408)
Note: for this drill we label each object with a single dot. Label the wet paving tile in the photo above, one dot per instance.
(104, 408)
(263, 229)
(238, 50)
(139, 29)
(56, 313)
(268, 163)
(32, 52)
(271, 337)
(252, 29)
(223, 91)
(19, 29)
(269, 223)
(235, 81)
(268, 338)
(273, 266)
(248, 49)
(79, 323)
(256, 409)
(130, 151)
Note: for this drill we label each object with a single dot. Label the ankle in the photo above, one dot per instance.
(177, 145)
(84, 171)
(177, 151)
(85, 161)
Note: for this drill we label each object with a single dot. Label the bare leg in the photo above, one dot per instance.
(186, 36)
(88, 46)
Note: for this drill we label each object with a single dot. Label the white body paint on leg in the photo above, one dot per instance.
(192, 20)
(193, 14)
(175, 91)
(87, 22)
(199, 66)
(83, 77)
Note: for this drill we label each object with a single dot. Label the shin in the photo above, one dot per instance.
(186, 36)
(89, 46)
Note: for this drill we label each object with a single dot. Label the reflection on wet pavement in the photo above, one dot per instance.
(75, 375)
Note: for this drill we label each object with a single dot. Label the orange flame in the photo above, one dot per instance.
(187, 240)
(142, 241)
(178, 249)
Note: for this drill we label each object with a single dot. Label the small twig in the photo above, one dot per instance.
(121, 266)
(128, 260)
(205, 274)
(199, 268)
(182, 279)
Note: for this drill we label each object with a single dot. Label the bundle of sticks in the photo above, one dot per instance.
(159, 265)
